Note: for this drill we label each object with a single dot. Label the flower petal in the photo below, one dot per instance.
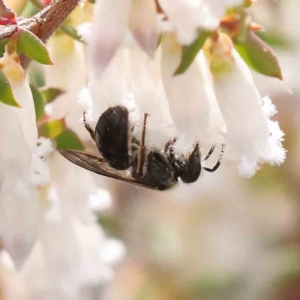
(143, 25)
(218, 8)
(109, 26)
(22, 92)
(187, 17)
(19, 206)
(103, 90)
(192, 102)
(249, 129)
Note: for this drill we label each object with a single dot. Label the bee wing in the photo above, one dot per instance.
(100, 166)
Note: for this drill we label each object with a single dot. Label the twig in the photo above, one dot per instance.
(44, 23)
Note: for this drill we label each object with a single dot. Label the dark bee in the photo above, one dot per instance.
(126, 158)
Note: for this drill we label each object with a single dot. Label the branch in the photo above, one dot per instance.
(44, 23)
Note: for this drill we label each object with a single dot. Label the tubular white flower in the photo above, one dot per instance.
(69, 77)
(73, 268)
(218, 8)
(19, 213)
(143, 25)
(20, 210)
(77, 265)
(11, 286)
(191, 98)
(109, 26)
(139, 89)
(150, 98)
(104, 93)
(73, 194)
(188, 16)
(111, 21)
(252, 137)
(21, 90)
(72, 202)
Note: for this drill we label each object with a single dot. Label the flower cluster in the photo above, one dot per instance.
(48, 225)
(214, 101)
(170, 59)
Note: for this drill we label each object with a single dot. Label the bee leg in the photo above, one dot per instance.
(169, 144)
(87, 126)
(135, 141)
(218, 162)
(210, 152)
(168, 150)
(191, 172)
(142, 149)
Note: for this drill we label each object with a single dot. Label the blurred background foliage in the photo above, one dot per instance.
(228, 237)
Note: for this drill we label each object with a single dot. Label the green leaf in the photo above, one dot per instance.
(71, 31)
(29, 44)
(52, 128)
(36, 74)
(51, 93)
(39, 102)
(276, 39)
(29, 10)
(2, 46)
(68, 140)
(38, 4)
(190, 52)
(110, 224)
(258, 55)
(6, 93)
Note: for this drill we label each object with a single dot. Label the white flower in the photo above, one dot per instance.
(68, 261)
(113, 251)
(69, 253)
(40, 173)
(11, 285)
(111, 21)
(252, 138)
(100, 201)
(215, 101)
(192, 102)
(19, 206)
(85, 30)
(187, 17)
(69, 77)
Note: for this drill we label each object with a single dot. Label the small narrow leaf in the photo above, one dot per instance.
(189, 52)
(29, 10)
(51, 93)
(276, 39)
(52, 129)
(258, 55)
(68, 140)
(71, 31)
(39, 102)
(38, 4)
(29, 44)
(6, 93)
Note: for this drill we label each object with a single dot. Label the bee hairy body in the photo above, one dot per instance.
(111, 136)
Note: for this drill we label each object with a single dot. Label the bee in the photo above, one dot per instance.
(124, 157)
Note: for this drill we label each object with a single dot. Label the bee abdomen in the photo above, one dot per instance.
(111, 136)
